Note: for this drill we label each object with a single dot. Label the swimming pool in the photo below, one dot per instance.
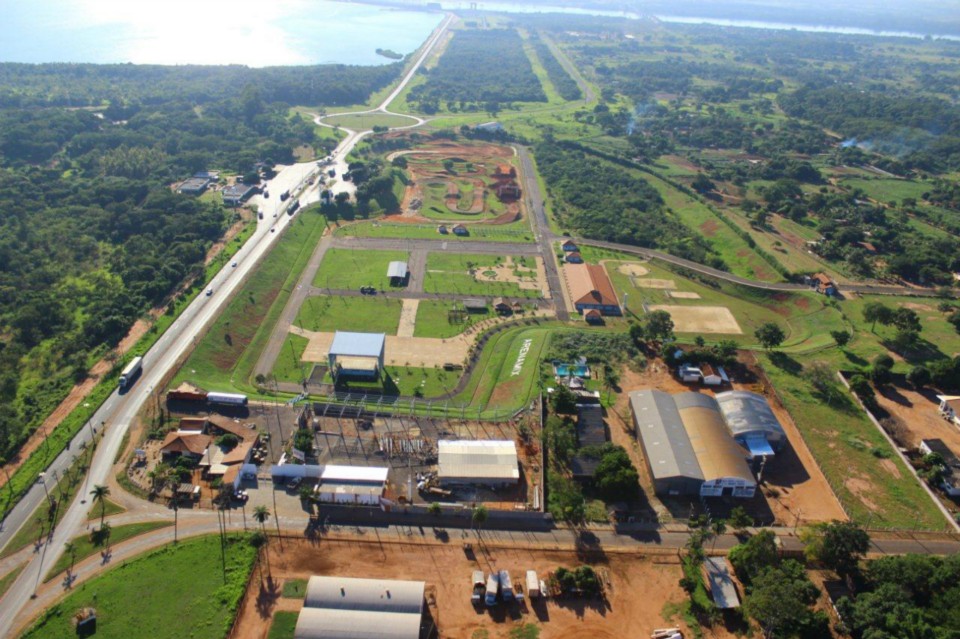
(566, 370)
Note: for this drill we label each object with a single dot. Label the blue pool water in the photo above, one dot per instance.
(565, 370)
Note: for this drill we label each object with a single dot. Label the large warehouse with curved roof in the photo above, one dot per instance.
(350, 608)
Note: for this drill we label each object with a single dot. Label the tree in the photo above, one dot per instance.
(755, 555)
(842, 338)
(739, 519)
(615, 477)
(563, 400)
(779, 600)
(479, 516)
(258, 540)
(842, 545)
(261, 514)
(770, 335)
(717, 528)
(880, 374)
(821, 377)
(874, 312)
(173, 483)
(100, 494)
(434, 509)
(906, 319)
(658, 326)
(71, 549)
(919, 376)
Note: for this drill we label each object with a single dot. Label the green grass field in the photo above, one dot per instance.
(432, 320)
(413, 381)
(224, 358)
(848, 448)
(289, 367)
(373, 314)
(86, 546)
(284, 625)
(805, 317)
(7, 580)
(449, 273)
(887, 189)
(347, 269)
(513, 232)
(166, 594)
(294, 589)
(364, 122)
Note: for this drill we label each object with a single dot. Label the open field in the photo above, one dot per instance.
(137, 599)
(639, 589)
(433, 319)
(806, 318)
(348, 269)
(513, 232)
(701, 319)
(451, 273)
(225, 356)
(290, 366)
(364, 121)
(85, 546)
(372, 314)
(869, 479)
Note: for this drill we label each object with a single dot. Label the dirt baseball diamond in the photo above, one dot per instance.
(637, 588)
(701, 319)
(684, 295)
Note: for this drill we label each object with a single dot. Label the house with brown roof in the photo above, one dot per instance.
(822, 283)
(505, 171)
(591, 289)
(178, 443)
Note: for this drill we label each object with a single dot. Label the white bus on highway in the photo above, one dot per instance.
(131, 371)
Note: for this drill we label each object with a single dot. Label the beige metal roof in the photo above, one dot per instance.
(325, 623)
(478, 459)
(717, 453)
(372, 595)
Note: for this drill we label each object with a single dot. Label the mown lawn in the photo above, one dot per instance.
(372, 314)
(176, 591)
(86, 545)
(869, 479)
(513, 232)
(290, 366)
(348, 269)
(449, 273)
(224, 358)
(284, 625)
(433, 319)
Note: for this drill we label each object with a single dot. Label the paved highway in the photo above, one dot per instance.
(115, 415)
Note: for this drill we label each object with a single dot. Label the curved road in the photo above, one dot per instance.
(120, 409)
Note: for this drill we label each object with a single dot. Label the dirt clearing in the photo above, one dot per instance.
(637, 587)
(701, 319)
(654, 283)
(684, 295)
(632, 269)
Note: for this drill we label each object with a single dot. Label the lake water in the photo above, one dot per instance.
(256, 33)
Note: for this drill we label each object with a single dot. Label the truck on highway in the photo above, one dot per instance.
(293, 207)
(131, 371)
(230, 399)
(285, 195)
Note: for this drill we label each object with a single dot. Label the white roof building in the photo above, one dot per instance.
(398, 270)
(350, 608)
(478, 462)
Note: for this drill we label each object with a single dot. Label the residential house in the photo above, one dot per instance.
(569, 246)
(713, 376)
(573, 258)
(193, 186)
(237, 194)
(822, 283)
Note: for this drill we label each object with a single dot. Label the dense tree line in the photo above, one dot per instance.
(79, 85)
(92, 234)
(565, 85)
(603, 201)
(924, 130)
(905, 596)
(480, 70)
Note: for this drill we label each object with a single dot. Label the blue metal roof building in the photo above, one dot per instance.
(357, 354)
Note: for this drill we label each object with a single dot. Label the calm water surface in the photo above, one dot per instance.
(255, 33)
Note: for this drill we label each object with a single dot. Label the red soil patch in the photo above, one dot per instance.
(709, 228)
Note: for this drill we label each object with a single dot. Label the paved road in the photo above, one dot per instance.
(541, 231)
(570, 68)
(420, 295)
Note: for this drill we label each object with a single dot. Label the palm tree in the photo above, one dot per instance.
(258, 540)
(479, 516)
(718, 527)
(71, 548)
(261, 514)
(173, 483)
(100, 494)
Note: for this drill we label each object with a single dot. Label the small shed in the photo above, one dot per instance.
(714, 376)
(398, 272)
(574, 258)
(593, 316)
(689, 373)
(475, 305)
(569, 246)
(461, 230)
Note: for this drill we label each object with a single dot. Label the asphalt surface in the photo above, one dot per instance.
(437, 245)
